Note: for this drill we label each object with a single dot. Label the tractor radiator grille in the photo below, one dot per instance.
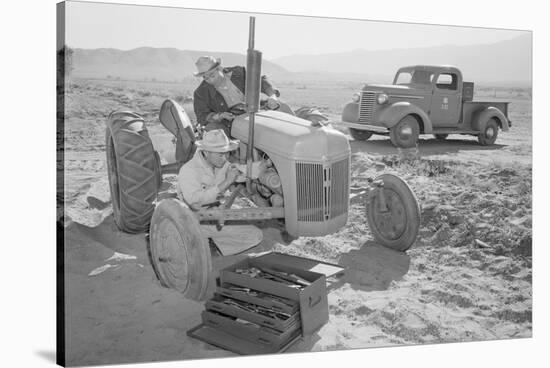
(366, 107)
(322, 191)
(339, 188)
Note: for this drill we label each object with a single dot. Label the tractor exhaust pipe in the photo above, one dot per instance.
(252, 96)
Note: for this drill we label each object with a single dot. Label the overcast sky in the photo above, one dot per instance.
(96, 25)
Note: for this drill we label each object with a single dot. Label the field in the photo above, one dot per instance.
(467, 278)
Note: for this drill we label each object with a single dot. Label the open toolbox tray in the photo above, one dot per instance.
(282, 323)
(255, 297)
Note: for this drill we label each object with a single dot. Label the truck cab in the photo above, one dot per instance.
(423, 99)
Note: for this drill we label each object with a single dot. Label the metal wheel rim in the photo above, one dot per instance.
(490, 133)
(391, 224)
(405, 132)
(172, 256)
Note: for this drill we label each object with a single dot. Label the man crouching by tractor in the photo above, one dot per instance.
(207, 177)
(222, 90)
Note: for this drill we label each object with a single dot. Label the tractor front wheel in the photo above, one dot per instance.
(179, 253)
(393, 212)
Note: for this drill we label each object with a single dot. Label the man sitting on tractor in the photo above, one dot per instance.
(204, 180)
(221, 90)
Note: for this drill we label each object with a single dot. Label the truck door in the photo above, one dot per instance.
(446, 100)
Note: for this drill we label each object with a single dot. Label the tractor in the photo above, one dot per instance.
(305, 184)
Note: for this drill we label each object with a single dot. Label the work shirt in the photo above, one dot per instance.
(229, 91)
(198, 181)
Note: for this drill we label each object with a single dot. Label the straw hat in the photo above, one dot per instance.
(216, 141)
(205, 64)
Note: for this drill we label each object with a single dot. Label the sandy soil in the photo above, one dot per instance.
(468, 277)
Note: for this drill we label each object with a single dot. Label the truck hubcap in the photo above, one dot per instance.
(406, 132)
(390, 221)
(490, 133)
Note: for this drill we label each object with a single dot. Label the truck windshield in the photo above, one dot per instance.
(414, 77)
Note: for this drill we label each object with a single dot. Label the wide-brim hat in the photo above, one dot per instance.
(216, 141)
(205, 64)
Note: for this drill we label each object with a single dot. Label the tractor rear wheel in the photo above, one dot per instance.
(133, 169)
(179, 253)
(360, 135)
(393, 213)
(405, 133)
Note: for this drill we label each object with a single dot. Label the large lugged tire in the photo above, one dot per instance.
(405, 133)
(395, 226)
(360, 135)
(489, 134)
(133, 168)
(179, 253)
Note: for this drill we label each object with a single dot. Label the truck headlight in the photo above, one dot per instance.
(356, 97)
(382, 98)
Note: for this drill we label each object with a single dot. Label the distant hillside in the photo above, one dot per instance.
(162, 64)
(504, 63)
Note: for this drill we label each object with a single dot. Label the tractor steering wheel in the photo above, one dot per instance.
(240, 108)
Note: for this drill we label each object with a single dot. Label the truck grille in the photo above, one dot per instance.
(322, 191)
(366, 106)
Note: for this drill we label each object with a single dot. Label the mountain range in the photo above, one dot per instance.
(504, 63)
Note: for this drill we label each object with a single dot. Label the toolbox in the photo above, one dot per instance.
(264, 304)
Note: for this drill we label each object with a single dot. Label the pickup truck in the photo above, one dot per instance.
(424, 99)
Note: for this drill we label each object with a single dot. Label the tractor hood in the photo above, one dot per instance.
(291, 137)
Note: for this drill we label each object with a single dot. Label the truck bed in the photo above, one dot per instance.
(471, 107)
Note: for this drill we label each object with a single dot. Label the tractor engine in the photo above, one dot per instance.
(307, 170)
(268, 184)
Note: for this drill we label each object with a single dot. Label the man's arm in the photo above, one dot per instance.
(268, 88)
(265, 85)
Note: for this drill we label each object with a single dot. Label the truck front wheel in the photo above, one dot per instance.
(405, 133)
(360, 135)
(489, 134)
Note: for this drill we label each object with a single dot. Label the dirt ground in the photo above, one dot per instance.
(467, 278)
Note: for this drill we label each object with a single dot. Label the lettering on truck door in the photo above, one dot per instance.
(445, 106)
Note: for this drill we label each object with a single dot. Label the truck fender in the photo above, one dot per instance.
(481, 118)
(351, 112)
(397, 111)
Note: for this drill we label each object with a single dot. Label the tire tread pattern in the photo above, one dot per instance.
(137, 184)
